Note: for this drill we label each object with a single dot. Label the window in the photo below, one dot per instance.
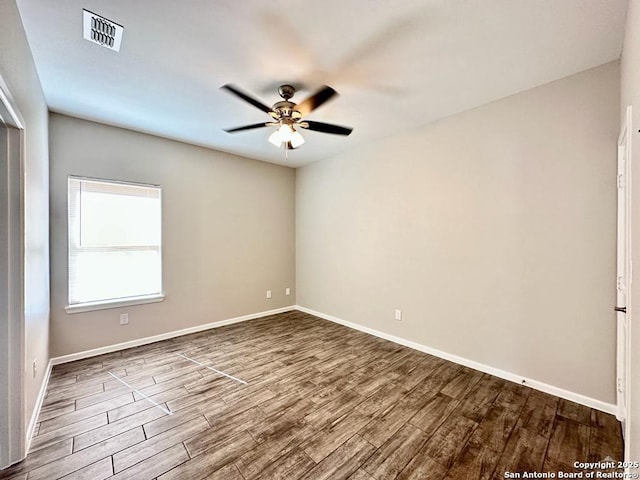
(114, 244)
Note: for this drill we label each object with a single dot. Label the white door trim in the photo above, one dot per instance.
(623, 272)
(12, 408)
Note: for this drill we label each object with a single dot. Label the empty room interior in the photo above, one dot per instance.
(319, 240)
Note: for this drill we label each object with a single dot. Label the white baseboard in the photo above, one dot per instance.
(36, 409)
(164, 336)
(543, 387)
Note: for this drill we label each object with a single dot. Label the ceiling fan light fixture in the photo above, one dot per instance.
(275, 138)
(285, 132)
(296, 139)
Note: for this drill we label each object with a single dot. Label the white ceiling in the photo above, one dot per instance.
(397, 65)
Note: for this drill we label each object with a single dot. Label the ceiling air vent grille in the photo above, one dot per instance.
(102, 31)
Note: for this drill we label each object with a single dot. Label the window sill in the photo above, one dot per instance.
(106, 304)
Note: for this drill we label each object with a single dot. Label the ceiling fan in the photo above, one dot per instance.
(288, 116)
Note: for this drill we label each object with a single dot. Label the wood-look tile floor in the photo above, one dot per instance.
(321, 401)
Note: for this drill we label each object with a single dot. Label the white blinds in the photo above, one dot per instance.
(114, 240)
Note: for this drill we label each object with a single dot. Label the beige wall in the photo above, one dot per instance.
(19, 73)
(630, 95)
(493, 230)
(228, 232)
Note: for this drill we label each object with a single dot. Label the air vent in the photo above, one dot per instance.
(102, 31)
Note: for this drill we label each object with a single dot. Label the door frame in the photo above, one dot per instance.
(623, 320)
(12, 336)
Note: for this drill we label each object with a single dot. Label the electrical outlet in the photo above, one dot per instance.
(124, 318)
(268, 293)
(287, 291)
(398, 314)
(35, 367)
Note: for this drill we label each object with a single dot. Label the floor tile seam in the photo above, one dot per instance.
(146, 458)
(72, 436)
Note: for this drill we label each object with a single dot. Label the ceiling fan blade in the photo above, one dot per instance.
(314, 101)
(247, 98)
(326, 127)
(246, 127)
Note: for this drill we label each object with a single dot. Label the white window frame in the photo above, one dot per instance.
(116, 302)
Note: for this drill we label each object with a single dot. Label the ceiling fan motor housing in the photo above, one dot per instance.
(286, 109)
